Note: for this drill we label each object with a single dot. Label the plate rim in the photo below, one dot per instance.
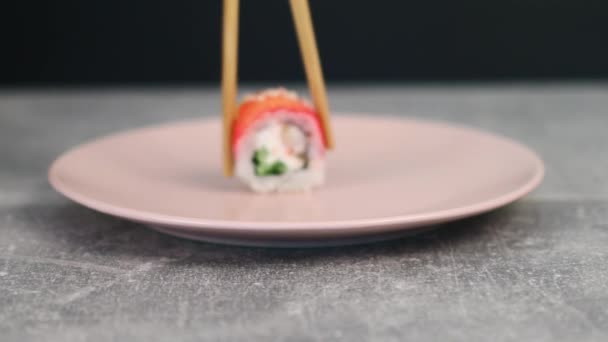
(368, 224)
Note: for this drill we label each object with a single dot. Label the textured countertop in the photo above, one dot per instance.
(534, 271)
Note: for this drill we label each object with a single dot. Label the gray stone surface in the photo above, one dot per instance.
(533, 271)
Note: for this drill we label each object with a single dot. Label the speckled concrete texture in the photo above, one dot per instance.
(533, 271)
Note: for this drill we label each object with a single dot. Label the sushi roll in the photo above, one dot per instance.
(278, 143)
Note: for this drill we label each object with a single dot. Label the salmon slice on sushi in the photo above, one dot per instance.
(278, 143)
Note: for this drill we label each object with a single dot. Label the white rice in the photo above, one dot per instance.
(296, 180)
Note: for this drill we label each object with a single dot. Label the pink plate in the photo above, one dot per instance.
(388, 177)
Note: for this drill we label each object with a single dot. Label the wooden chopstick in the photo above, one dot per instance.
(312, 65)
(230, 33)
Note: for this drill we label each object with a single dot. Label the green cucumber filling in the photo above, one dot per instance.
(280, 148)
(265, 168)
